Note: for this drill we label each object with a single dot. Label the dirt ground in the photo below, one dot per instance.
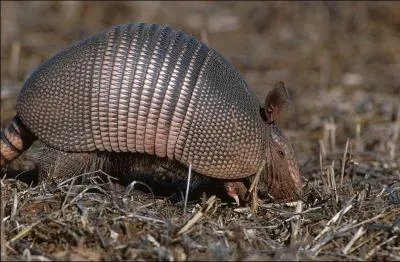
(341, 64)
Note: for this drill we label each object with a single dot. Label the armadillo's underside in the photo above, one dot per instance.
(148, 89)
(163, 176)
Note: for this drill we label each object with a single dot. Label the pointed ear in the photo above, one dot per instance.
(276, 99)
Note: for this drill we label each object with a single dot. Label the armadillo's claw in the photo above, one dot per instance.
(236, 197)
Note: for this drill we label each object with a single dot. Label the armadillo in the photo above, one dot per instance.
(151, 90)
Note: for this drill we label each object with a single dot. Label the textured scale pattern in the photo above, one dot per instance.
(145, 88)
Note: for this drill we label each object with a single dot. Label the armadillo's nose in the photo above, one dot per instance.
(295, 175)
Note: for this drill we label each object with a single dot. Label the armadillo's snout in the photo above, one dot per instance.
(282, 178)
(295, 175)
(293, 187)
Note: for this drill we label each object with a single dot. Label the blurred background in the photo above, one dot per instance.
(341, 63)
(340, 60)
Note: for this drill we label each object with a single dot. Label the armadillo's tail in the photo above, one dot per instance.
(15, 139)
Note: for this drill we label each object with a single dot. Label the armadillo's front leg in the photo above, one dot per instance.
(237, 190)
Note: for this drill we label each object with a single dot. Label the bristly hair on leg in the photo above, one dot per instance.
(53, 164)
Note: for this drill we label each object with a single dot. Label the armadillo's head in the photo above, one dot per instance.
(281, 177)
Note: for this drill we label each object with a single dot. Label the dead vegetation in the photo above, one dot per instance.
(340, 61)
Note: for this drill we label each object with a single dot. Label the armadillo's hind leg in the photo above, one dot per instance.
(15, 139)
(55, 165)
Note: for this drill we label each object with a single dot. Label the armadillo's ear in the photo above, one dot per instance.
(275, 101)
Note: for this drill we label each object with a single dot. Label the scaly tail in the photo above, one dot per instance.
(15, 139)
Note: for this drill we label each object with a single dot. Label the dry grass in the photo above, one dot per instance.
(340, 61)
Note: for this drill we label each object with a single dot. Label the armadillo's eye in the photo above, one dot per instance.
(281, 153)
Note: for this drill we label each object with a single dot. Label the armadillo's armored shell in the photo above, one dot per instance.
(147, 89)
